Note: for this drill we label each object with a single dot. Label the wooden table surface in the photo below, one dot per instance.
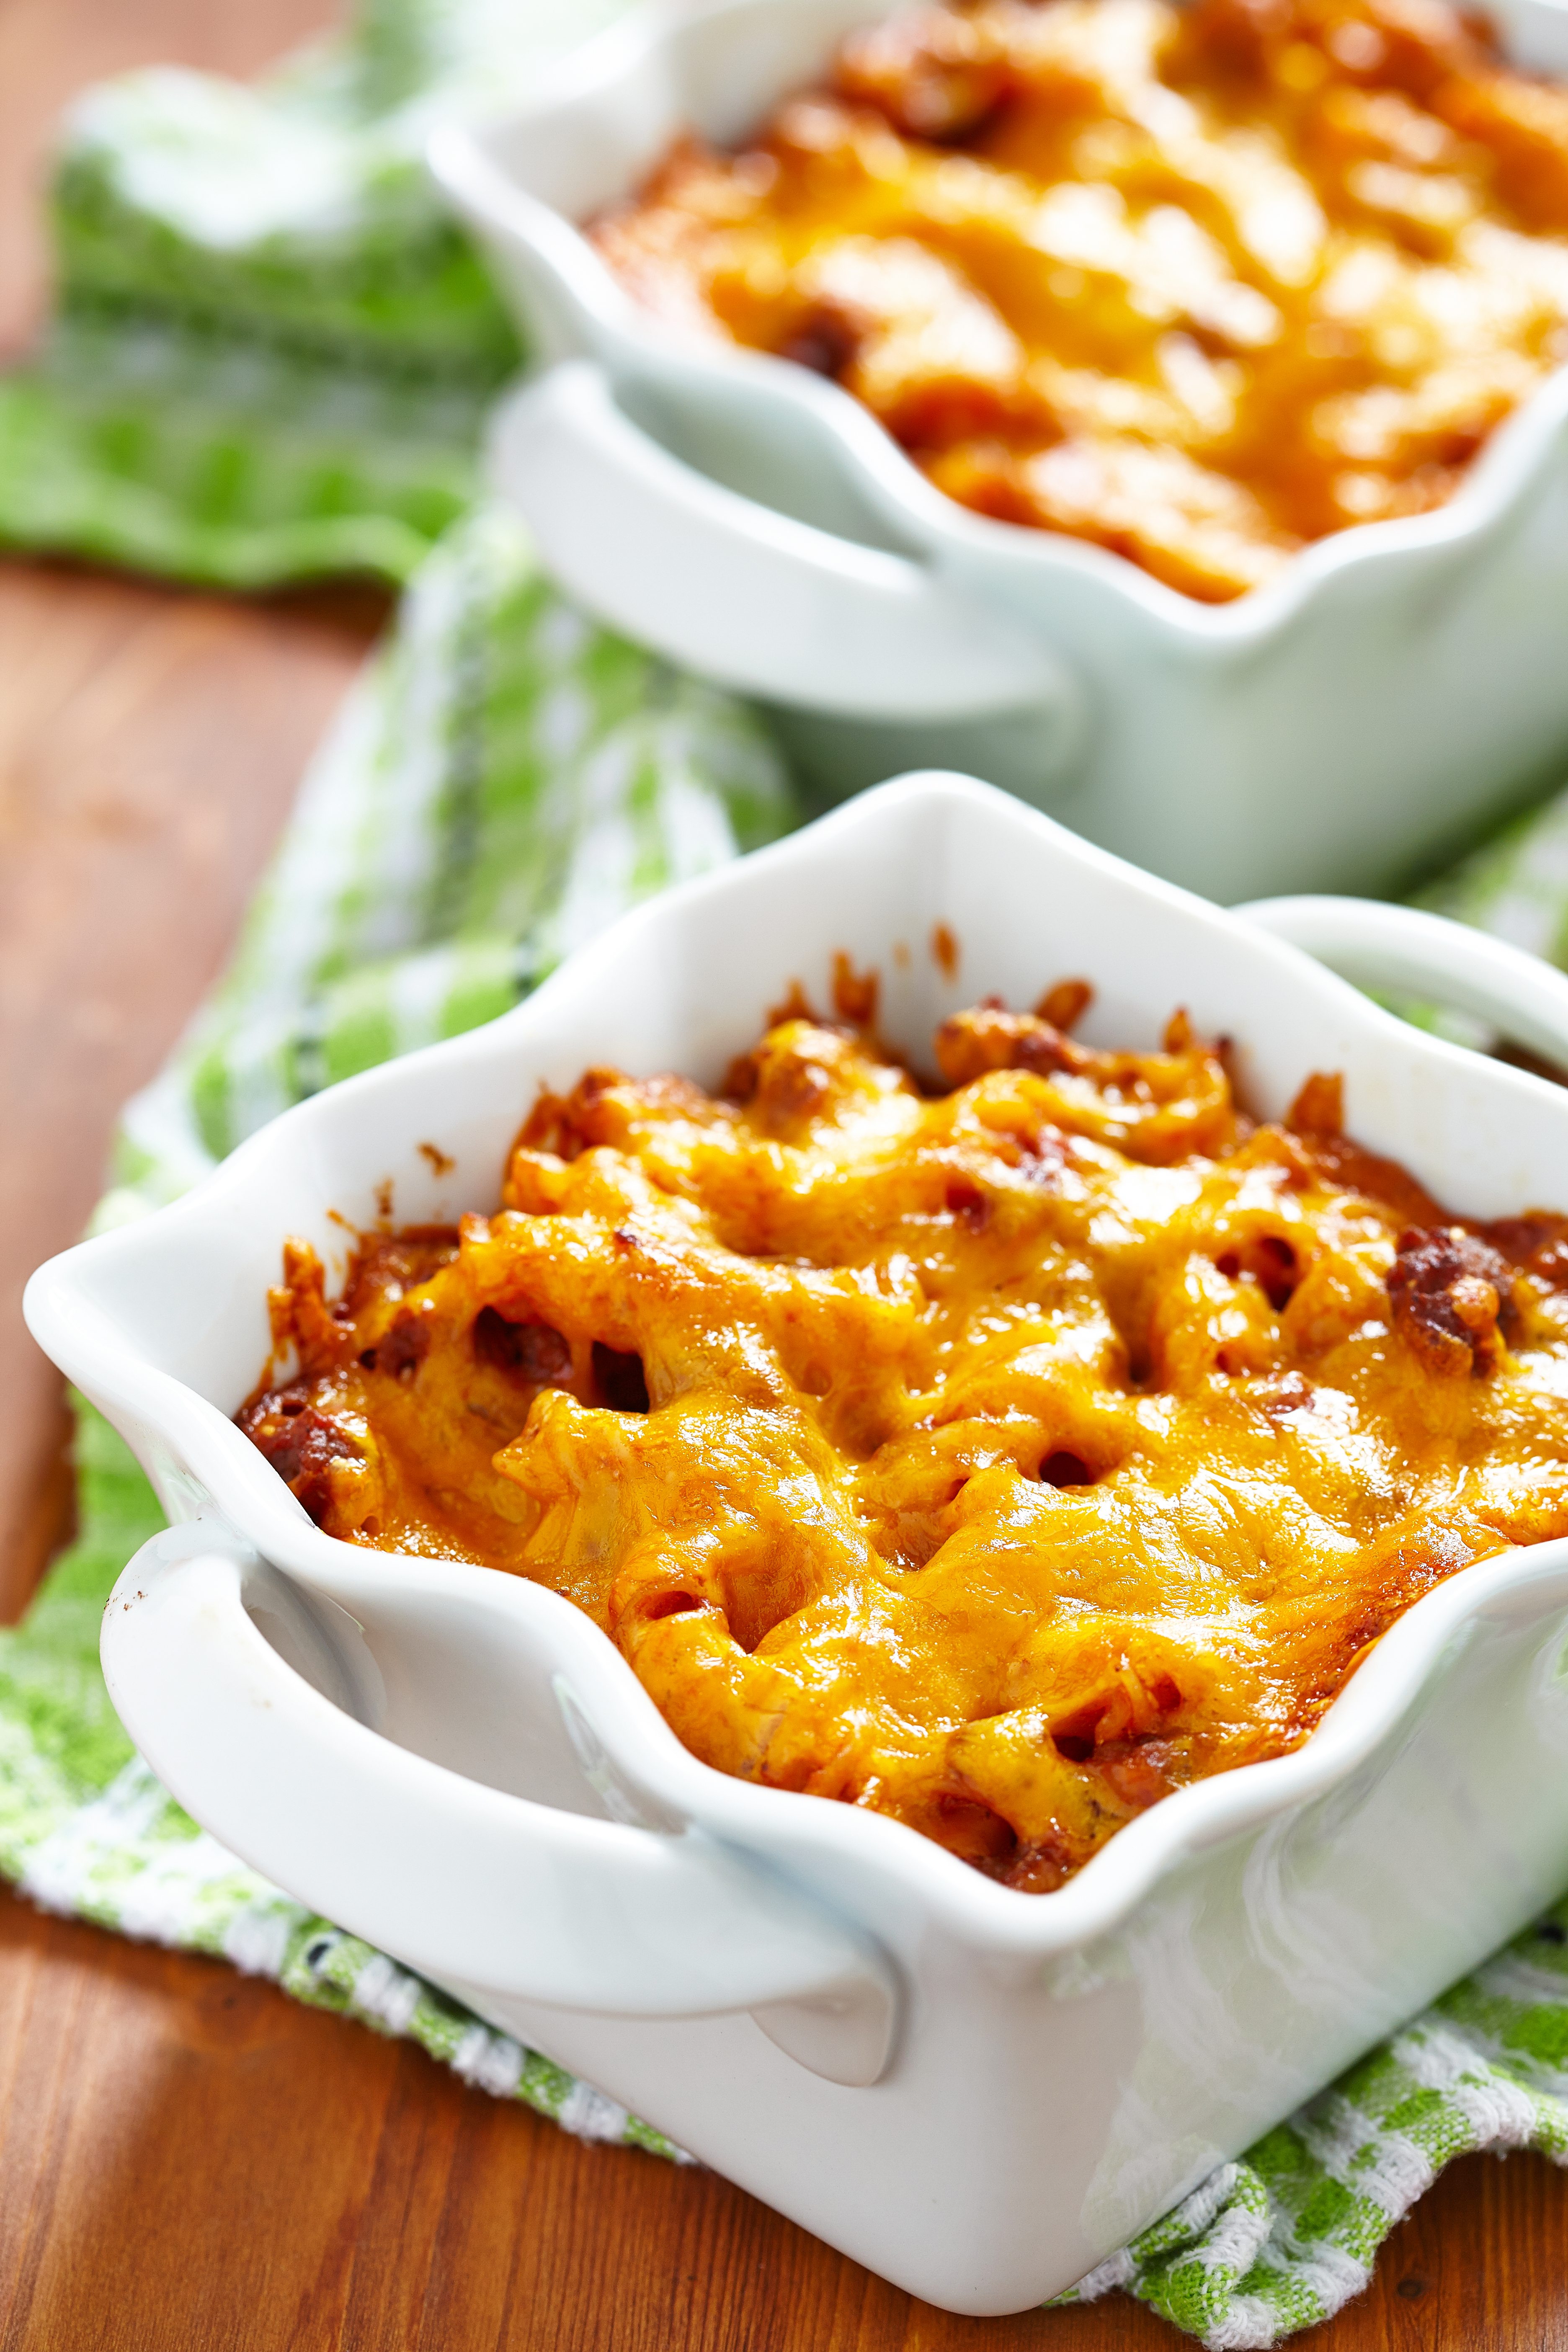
(189, 2162)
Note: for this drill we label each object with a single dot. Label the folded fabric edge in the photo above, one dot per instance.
(57, 496)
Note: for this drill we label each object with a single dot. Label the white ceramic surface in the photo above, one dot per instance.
(975, 2092)
(1398, 682)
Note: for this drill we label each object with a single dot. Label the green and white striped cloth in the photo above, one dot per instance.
(272, 352)
(271, 358)
(504, 780)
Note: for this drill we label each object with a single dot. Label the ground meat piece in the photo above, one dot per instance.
(301, 1443)
(390, 1263)
(1450, 1293)
(1139, 1771)
(278, 1423)
(404, 1347)
(1034, 1868)
(530, 1351)
(1538, 1242)
(825, 342)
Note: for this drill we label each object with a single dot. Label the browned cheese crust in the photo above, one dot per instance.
(998, 1454)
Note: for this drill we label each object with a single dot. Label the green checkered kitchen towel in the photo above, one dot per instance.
(271, 357)
(502, 781)
(271, 352)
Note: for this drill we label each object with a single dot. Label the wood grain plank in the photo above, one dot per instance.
(180, 2179)
(150, 743)
(188, 2160)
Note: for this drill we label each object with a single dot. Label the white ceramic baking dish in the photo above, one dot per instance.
(1398, 682)
(974, 2091)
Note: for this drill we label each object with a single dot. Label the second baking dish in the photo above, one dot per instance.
(1392, 686)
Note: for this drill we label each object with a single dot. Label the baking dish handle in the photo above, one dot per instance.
(459, 1880)
(750, 597)
(1408, 952)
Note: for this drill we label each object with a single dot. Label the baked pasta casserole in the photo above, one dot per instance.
(999, 1453)
(1200, 284)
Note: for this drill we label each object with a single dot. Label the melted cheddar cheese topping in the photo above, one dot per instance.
(1198, 284)
(999, 1456)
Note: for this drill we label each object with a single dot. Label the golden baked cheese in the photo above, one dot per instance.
(998, 1453)
(1199, 284)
